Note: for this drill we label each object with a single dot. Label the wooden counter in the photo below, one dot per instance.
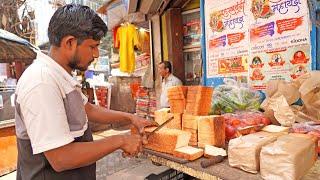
(7, 123)
(8, 148)
(221, 170)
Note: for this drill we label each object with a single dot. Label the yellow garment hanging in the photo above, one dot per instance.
(128, 38)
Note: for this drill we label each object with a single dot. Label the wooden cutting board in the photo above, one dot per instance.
(166, 156)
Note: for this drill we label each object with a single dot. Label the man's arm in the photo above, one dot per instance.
(80, 154)
(102, 115)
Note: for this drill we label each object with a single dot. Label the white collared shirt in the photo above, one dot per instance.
(168, 82)
(50, 106)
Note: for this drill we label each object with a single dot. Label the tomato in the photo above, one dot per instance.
(230, 132)
(258, 120)
(265, 121)
(235, 122)
(250, 121)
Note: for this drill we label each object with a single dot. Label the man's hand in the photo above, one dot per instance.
(141, 123)
(132, 145)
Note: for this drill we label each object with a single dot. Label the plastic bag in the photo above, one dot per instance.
(245, 122)
(306, 127)
(312, 128)
(233, 96)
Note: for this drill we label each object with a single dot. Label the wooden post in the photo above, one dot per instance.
(156, 55)
(175, 41)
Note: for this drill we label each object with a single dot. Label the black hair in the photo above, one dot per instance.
(75, 20)
(168, 65)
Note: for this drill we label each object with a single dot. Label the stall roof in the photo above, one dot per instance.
(14, 48)
(118, 11)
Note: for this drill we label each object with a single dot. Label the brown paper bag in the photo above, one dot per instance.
(244, 151)
(310, 95)
(288, 158)
(278, 111)
(272, 87)
(277, 88)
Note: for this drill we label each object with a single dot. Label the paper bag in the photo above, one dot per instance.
(310, 95)
(244, 151)
(288, 158)
(278, 111)
(279, 88)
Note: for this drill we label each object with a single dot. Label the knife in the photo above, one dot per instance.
(212, 161)
(152, 132)
(161, 126)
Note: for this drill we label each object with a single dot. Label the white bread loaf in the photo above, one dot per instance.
(167, 140)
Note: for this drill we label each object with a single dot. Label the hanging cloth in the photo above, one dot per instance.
(144, 41)
(127, 37)
(115, 43)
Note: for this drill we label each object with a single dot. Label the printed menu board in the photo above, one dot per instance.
(261, 39)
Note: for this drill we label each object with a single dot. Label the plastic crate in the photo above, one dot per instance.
(169, 174)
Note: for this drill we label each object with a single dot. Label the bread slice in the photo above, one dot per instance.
(194, 136)
(176, 122)
(211, 151)
(276, 129)
(167, 140)
(188, 153)
(161, 115)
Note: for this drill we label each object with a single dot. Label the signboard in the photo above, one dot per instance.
(227, 38)
(259, 39)
(279, 39)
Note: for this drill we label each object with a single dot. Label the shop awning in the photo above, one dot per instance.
(119, 11)
(14, 48)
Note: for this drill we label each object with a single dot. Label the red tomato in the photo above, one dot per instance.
(235, 122)
(258, 121)
(230, 132)
(250, 121)
(265, 121)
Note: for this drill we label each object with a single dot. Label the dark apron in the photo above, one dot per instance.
(37, 167)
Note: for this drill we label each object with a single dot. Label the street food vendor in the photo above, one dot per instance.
(53, 137)
(169, 80)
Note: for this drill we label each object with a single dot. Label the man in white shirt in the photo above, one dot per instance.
(53, 138)
(169, 80)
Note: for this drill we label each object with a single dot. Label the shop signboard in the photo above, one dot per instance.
(227, 38)
(279, 41)
(260, 39)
